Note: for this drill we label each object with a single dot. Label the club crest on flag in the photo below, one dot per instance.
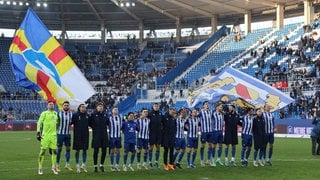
(239, 88)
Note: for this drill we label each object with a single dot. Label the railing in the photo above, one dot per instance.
(21, 96)
(192, 58)
(15, 115)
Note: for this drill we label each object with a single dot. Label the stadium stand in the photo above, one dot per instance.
(281, 58)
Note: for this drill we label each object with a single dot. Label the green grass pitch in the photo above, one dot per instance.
(292, 159)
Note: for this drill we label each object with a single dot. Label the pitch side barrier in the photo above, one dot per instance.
(291, 128)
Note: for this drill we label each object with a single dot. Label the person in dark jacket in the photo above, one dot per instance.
(80, 121)
(259, 137)
(169, 126)
(315, 135)
(155, 133)
(315, 121)
(231, 119)
(99, 123)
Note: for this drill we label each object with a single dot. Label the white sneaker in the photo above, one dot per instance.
(113, 168)
(220, 162)
(58, 168)
(68, 167)
(138, 166)
(260, 163)
(83, 168)
(255, 164)
(268, 162)
(233, 163)
(54, 171)
(40, 172)
(145, 166)
(202, 164)
(78, 168)
(117, 167)
(226, 163)
(214, 163)
(130, 167)
(124, 168)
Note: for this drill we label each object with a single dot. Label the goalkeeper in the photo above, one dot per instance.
(48, 136)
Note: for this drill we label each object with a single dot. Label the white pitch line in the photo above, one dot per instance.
(15, 140)
(48, 167)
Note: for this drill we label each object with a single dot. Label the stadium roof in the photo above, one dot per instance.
(155, 14)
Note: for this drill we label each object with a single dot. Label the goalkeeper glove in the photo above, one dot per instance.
(39, 136)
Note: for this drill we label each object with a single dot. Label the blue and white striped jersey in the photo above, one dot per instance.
(247, 124)
(180, 127)
(206, 121)
(269, 119)
(115, 125)
(65, 118)
(193, 127)
(218, 120)
(143, 128)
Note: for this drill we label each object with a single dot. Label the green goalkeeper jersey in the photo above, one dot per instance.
(47, 123)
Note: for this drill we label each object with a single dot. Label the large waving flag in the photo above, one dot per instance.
(40, 63)
(235, 85)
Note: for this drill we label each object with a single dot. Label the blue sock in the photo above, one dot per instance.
(219, 152)
(145, 156)
(180, 157)
(67, 156)
(150, 155)
(270, 152)
(188, 158)
(77, 157)
(248, 153)
(213, 152)
(111, 159)
(255, 153)
(175, 155)
(132, 158)
(201, 153)
(125, 157)
(260, 154)
(138, 157)
(209, 154)
(117, 158)
(58, 155)
(157, 155)
(242, 153)
(233, 152)
(226, 151)
(194, 154)
(84, 157)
